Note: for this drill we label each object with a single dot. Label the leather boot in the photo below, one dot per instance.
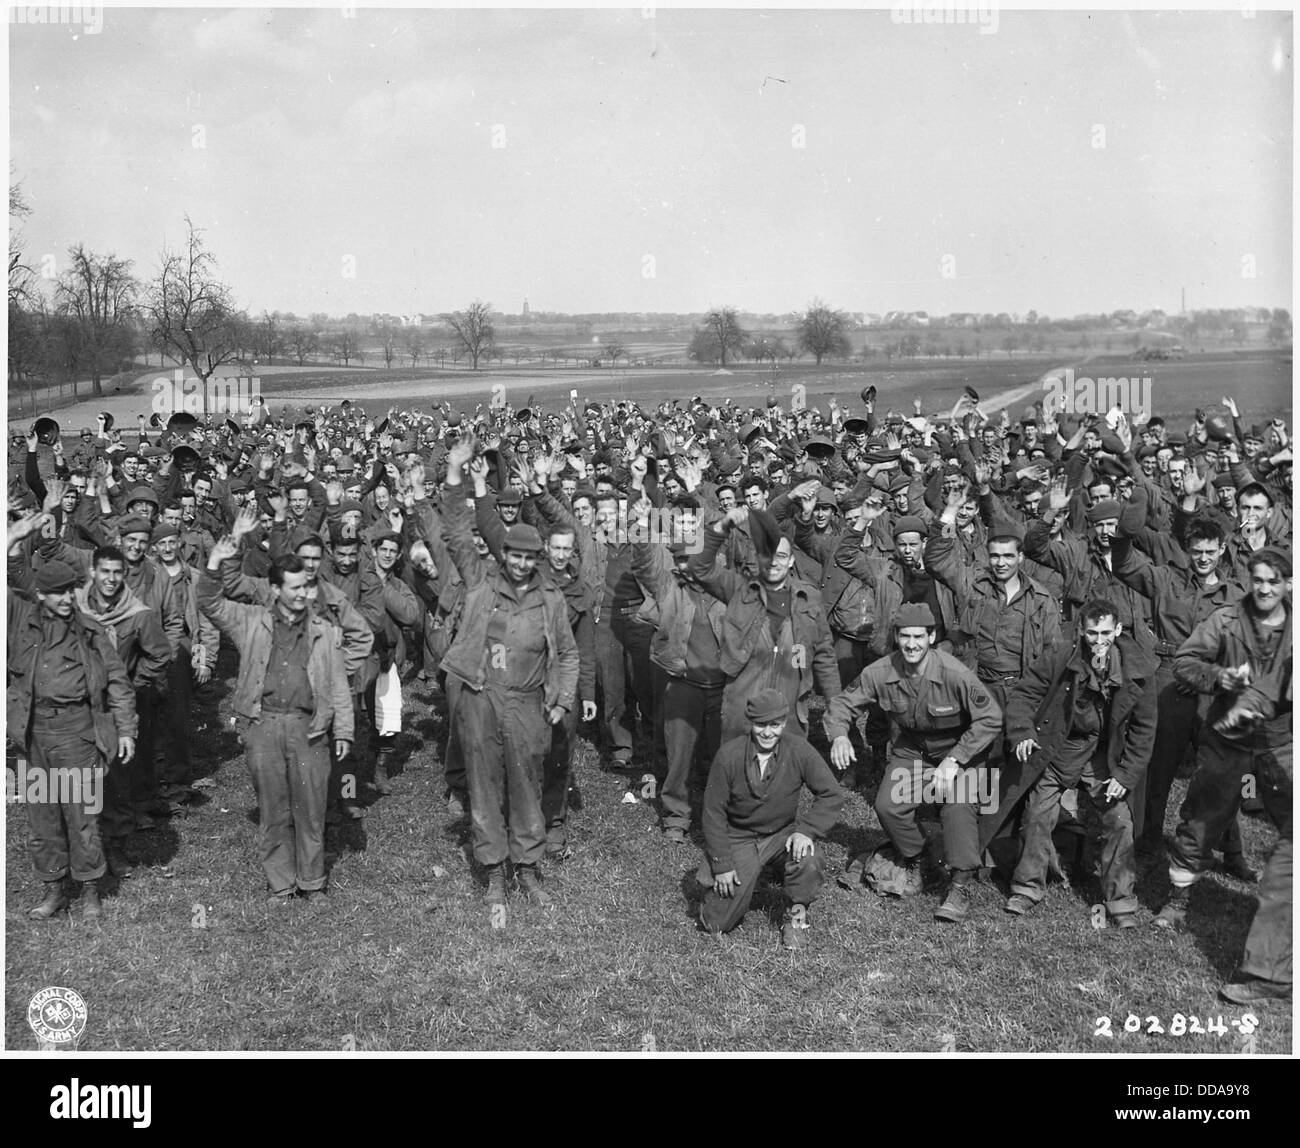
(496, 888)
(530, 884)
(56, 900)
(91, 907)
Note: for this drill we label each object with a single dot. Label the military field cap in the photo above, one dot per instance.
(914, 614)
(165, 530)
(1005, 529)
(54, 577)
(510, 497)
(142, 494)
(135, 524)
(1106, 508)
(825, 496)
(908, 524)
(856, 425)
(1225, 479)
(767, 706)
(524, 538)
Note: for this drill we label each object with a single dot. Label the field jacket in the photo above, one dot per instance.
(112, 700)
(975, 592)
(467, 656)
(251, 628)
(652, 565)
(803, 655)
(1224, 640)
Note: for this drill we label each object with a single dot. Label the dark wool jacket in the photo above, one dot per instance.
(735, 808)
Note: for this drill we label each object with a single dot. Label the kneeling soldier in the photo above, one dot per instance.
(751, 816)
(946, 720)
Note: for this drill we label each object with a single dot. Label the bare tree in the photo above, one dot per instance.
(615, 350)
(97, 294)
(193, 314)
(268, 337)
(345, 345)
(388, 343)
(414, 345)
(720, 334)
(20, 275)
(472, 329)
(823, 331)
(302, 340)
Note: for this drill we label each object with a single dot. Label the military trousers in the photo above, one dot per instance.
(291, 775)
(64, 793)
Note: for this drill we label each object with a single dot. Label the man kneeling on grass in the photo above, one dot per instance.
(751, 816)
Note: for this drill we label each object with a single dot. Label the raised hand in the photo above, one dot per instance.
(224, 547)
(53, 494)
(461, 452)
(1058, 497)
(1193, 480)
(245, 523)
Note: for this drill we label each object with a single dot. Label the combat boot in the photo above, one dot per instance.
(56, 900)
(530, 884)
(91, 907)
(496, 887)
(956, 907)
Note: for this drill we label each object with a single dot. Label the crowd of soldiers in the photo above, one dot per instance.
(1000, 616)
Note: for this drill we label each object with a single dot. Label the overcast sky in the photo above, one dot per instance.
(614, 161)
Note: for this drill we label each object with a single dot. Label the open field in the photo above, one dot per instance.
(404, 956)
(1261, 381)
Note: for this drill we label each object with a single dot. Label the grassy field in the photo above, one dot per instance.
(1260, 381)
(405, 957)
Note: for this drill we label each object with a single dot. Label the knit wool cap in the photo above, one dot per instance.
(913, 614)
(54, 577)
(767, 706)
(1106, 508)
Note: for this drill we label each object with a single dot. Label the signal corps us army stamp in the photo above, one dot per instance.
(57, 1016)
